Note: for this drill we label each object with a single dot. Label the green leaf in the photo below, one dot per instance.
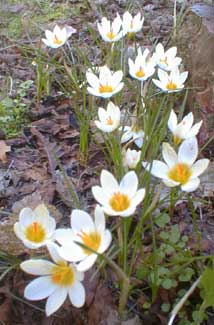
(164, 235)
(207, 283)
(165, 308)
(186, 275)
(175, 234)
(162, 220)
(167, 284)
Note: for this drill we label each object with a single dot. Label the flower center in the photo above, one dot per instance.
(109, 121)
(105, 89)
(110, 35)
(132, 24)
(35, 232)
(164, 61)
(91, 240)
(180, 173)
(171, 85)
(62, 274)
(140, 73)
(177, 140)
(119, 202)
(57, 40)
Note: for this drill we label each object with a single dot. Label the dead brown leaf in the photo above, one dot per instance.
(3, 150)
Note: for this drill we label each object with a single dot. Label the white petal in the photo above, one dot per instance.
(39, 288)
(87, 263)
(100, 195)
(163, 76)
(159, 84)
(170, 183)
(159, 50)
(99, 219)
(57, 30)
(18, 229)
(26, 217)
(188, 151)
(92, 80)
(139, 196)
(56, 300)
(105, 75)
(129, 184)
(139, 142)
(79, 276)
(127, 135)
(102, 113)
(129, 212)
(199, 167)
(41, 211)
(93, 92)
(50, 226)
(81, 220)
(192, 185)
(106, 241)
(37, 267)
(46, 42)
(158, 169)
(171, 53)
(169, 155)
(108, 182)
(49, 35)
(183, 77)
(64, 236)
(53, 251)
(77, 294)
(71, 253)
(116, 78)
(184, 126)
(173, 121)
(194, 130)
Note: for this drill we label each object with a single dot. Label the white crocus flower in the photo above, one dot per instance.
(109, 118)
(184, 129)
(58, 37)
(166, 60)
(56, 281)
(118, 199)
(179, 169)
(143, 67)
(172, 82)
(110, 32)
(131, 158)
(132, 133)
(132, 25)
(107, 84)
(35, 227)
(84, 230)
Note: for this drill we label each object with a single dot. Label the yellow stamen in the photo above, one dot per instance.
(171, 85)
(132, 24)
(105, 89)
(180, 173)
(177, 140)
(119, 202)
(110, 35)
(35, 232)
(62, 274)
(140, 73)
(109, 121)
(164, 61)
(56, 40)
(91, 240)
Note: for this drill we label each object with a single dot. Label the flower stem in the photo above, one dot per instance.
(125, 284)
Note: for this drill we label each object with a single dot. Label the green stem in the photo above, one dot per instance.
(125, 284)
(195, 224)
